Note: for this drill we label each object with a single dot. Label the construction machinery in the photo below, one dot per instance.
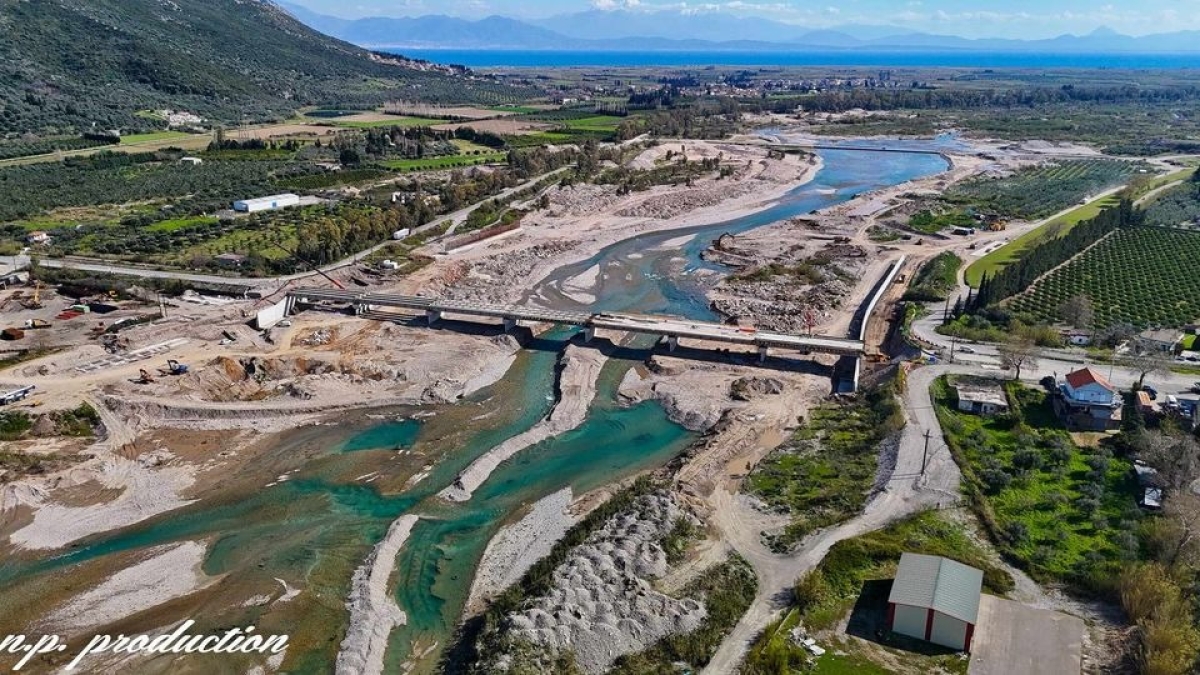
(175, 368)
(35, 301)
(144, 377)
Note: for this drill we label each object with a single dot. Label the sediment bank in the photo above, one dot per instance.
(373, 612)
(577, 388)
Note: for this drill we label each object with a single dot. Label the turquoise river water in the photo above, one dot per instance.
(314, 528)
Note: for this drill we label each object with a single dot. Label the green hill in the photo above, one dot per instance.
(74, 65)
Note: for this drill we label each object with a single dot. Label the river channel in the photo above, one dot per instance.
(314, 528)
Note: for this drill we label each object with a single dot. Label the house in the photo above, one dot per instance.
(1159, 339)
(935, 599)
(38, 237)
(1089, 401)
(230, 259)
(1077, 338)
(981, 398)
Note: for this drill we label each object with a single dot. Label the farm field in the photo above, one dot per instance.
(154, 136)
(1145, 276)
(1039, 192)
(1065, 513)
(388, 121)
(1012, 251)
(1177, 206)
(444, 162)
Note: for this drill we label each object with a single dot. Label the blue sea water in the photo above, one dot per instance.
(482, 58)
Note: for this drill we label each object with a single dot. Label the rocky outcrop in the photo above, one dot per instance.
(750, 388)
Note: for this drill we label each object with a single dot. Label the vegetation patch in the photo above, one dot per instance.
(936, 280)
(823, 474)
(825, 595)
(1063, 513)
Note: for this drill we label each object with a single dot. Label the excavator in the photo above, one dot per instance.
(174, 368)
(34, 302)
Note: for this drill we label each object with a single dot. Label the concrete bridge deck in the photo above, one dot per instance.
(672, 328)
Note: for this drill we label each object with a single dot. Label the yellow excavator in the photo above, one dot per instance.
(34, 302)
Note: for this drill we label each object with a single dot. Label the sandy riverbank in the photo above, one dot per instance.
(373, 611)
(583, 219)
(577, 388)
(516, 547)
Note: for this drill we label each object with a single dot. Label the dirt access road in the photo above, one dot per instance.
(907, 492)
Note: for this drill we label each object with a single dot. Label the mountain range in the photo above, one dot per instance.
(77, 65)
(668, 30)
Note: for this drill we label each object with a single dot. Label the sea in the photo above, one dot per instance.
(502, 58)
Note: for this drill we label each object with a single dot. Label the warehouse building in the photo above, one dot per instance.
(936, 600)
(266, 203)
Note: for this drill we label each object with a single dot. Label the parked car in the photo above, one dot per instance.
(967, 350)
(1150, 391)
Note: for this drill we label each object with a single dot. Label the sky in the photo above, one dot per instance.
(1027, 19)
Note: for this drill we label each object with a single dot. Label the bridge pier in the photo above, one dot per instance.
(361, 308)
(589, 333)
(432, 316)
(672, 342)
(289, 305)
(762, 353)
(509, 324)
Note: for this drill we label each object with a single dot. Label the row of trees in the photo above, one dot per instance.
(1021, 274)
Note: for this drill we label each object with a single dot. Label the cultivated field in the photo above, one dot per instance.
(1041, 191)
(1144, 276)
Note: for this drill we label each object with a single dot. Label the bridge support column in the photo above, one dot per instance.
(762, 353)
(672, 342)
(509, 324)
(360, 308)
(289, 305)
(589, 333)
(432, 316)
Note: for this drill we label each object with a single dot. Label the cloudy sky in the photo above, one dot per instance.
(979, 18)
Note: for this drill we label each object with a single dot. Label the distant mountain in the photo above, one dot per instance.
(665, 30)
(82, 64)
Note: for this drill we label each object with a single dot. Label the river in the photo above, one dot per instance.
(314, 528)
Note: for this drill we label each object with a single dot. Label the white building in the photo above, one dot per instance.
(194, 161)
(266, 203)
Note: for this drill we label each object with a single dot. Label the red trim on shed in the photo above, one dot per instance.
(967, 639)
(928, 624)
(891, 615)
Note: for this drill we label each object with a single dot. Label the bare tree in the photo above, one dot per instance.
(1079, 312)
(1018, 353)
(1144, 363)
(1177, 460)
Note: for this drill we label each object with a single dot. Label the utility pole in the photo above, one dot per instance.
(925, 453)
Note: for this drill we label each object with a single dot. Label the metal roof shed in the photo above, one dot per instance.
(935, 599)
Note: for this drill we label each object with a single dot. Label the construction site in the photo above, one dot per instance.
(196, 420)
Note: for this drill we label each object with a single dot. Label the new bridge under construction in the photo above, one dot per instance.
(670, 328)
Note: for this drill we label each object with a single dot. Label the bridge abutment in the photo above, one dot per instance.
(672, 342)
(510, 324)
(432, 316)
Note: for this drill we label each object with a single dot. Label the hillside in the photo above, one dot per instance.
(66, 65)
